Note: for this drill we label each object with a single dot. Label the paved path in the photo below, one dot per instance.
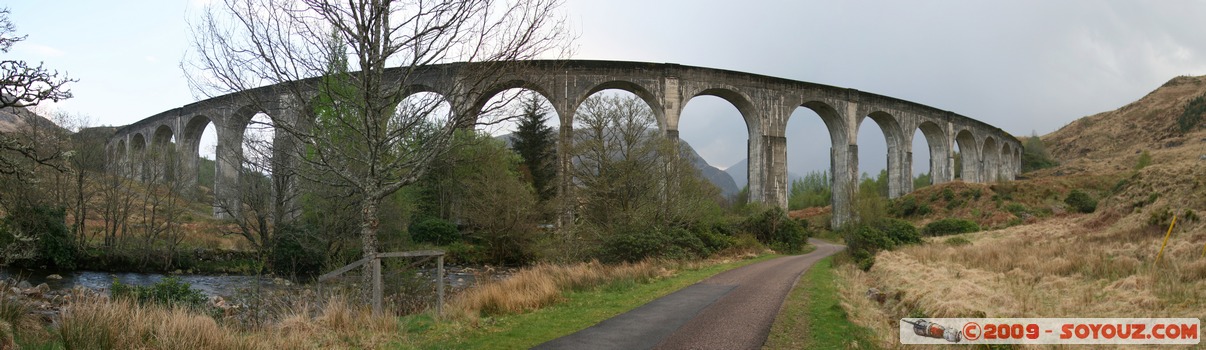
(731, 310)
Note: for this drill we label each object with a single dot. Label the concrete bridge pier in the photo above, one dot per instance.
(229, 154)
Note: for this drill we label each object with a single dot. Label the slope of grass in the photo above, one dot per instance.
(812, 317)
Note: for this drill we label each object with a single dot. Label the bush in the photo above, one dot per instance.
(1017, 209)
(957, 241)
(170, 292)
(1160, 218)
(899, 231)
(907, 206)
(774, 228)
(434, 231)
(863, 241)
(1081, 201)
(46, 226)
(1191, 117)
(949, 227)
(296, 252)
(633, 244)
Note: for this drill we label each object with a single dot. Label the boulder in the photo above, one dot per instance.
(54, 277)
(24, 285)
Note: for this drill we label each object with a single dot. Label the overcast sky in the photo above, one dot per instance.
(1021, 65)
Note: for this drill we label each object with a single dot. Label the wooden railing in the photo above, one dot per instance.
(375, 262)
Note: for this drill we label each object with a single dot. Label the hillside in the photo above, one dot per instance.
(1037, 256)
(1112, 141)
(13, 119)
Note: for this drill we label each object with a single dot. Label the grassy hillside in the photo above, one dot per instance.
(1039, 258)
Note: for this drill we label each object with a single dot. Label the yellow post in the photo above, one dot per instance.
(1170, 227)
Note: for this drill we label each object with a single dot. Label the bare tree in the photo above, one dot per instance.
(24, 85)
(367, 141)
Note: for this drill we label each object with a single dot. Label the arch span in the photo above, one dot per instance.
(765, 102)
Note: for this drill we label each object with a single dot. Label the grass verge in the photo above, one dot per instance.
(812, 317)
(578, 310)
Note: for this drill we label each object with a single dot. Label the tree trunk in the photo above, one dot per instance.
(368, 237)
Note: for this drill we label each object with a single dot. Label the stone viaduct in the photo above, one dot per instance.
(766, 103)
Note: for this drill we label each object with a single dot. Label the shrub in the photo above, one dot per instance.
(948, 194)
(169, 292)
(1192, 116)
(774, 228)
(1017, 209)
(949, 227)
(863, 241)
(1081, 201)
(907, 206)
(899, 231)
(1160, 218)
(296, 252)
(434, 231)
(46, 226)
(957, 241)
(1145, 159)
(633, 244)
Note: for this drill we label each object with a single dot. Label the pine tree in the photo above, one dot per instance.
(535, 143)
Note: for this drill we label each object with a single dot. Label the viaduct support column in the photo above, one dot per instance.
(774, 151)
(942, 164)
(189, 160)
(757, 168)
(900, 170)
(843, 160)
(226, 174)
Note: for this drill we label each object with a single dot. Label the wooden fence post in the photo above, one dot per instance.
(440, 285)
(377, 288)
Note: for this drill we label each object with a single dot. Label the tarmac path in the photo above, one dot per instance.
(731, 310)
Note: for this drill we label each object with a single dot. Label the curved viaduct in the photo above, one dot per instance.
(766, 103)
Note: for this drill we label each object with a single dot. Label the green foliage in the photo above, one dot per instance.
(435, 231)
(296, 252)
(949, 226)
(774, 228)
(636, 244)
(1145, 159)
(1035, 155)
(908, 206)
(536, 145)
(948, 194)
(47, 228)
(170, 292)
(921, 181)
(464, 253)
(957, 241)
(813, 190)
(1081, 201)
(1160, 218)
(1189, 215)
(1017, 209)
(877, 185)
(1191, 117)
(864, 240)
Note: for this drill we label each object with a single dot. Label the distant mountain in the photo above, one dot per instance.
(717, 177)
(740, 173)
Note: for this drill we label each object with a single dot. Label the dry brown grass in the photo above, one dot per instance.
(1056, 268)
(95, 322)
(542, 285)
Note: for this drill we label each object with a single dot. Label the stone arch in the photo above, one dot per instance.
(1006, 161)
(162, 137)
(990, 163)
(833, 121)
(939, 146)
(650, 99)
(895, 140)
(753, 121)
(138, 144)
(969, 156)
(193, 129)
(496, 89)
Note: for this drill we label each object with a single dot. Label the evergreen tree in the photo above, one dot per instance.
(535, 143)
